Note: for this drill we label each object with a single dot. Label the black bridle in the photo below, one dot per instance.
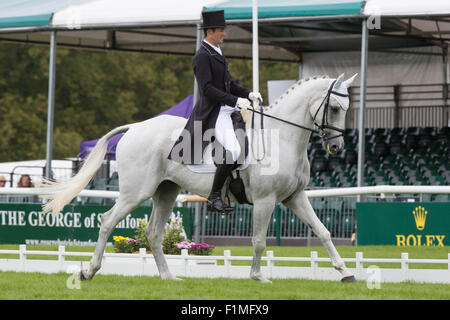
(325, 124)
(321, 127)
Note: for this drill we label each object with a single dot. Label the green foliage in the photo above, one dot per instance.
(173, 234)
(95, 92)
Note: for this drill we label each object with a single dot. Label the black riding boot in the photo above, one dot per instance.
(215, 202)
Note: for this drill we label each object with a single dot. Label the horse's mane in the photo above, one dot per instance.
(292, 88)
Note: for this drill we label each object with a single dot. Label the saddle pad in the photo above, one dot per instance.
(208, 165)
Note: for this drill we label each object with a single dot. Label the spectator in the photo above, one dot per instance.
(2, 181)
(25, 182)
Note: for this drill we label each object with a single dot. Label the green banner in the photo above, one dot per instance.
(403, 224)
(75, 225)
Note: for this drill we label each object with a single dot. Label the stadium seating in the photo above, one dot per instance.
(397, 156)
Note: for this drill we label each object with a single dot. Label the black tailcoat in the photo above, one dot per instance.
(216, 88)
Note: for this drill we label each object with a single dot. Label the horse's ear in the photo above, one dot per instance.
(347, 83)
(339, 81)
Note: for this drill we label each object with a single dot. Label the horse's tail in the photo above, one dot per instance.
(62, 193)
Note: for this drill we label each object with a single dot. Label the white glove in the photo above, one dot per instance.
(242, 103)
(255, 96)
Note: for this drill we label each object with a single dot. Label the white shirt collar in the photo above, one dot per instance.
(219, 51)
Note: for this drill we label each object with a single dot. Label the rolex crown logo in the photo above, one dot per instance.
(420, 215)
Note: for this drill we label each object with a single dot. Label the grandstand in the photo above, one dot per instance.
(397, 156)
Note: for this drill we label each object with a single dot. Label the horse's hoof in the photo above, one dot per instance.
(82, 276)
(349, 279)
(261, 279)
(171, 277)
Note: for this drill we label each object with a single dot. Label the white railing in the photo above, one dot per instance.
(185, 265)
(333, 192)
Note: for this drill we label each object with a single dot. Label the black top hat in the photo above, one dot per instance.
(213, 19)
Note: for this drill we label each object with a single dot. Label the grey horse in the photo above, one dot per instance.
(279, 175)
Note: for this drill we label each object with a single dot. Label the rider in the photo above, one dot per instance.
(220, 97)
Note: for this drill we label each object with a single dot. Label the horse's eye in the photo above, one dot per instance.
(335, 109)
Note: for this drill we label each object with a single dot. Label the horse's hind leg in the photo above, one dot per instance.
(303, 209)
(163, 201)
(109, 221)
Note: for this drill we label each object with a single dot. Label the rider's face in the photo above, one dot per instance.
(216, 36)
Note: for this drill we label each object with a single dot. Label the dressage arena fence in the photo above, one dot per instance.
(336, 208)
(184, 265)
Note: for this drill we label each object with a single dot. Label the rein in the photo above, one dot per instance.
(321, 127)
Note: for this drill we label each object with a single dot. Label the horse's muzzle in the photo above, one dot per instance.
(333, 146)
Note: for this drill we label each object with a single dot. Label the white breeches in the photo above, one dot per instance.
(224, 132)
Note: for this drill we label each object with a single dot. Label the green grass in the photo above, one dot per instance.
(42, 286)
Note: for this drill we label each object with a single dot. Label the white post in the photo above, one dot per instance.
(51, 105)
(255, 55)
(185, 255)
(61, 257)
(314, 263)
(359, 264)
(142, 253)
(405, 265)
(448, 256)
(270, 262)
(197, 46)
(362, 103)
(227, 262)
(22, 256)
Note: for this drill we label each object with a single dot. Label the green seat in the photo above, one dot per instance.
(352, 132)
(329, 221)
(428, 131)
(397, 131)
(243, 220)
(319, 164)
(441, 198)
(100, 184)
(347, 224)
(413, 131)
(95, 201)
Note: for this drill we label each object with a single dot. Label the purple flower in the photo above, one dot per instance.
(184, 245)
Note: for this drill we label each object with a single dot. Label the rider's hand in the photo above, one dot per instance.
(242, 103)
(255, 96)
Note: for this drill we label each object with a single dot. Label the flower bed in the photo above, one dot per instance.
(174, 240)
(200, 249)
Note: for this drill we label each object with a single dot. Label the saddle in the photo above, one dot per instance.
(234, 183)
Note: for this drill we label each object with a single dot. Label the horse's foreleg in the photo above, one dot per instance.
(163, 200)
(301, 206)
(262, 211)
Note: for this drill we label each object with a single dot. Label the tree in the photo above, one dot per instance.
(95, 92)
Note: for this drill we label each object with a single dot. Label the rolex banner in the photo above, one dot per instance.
(75, 225)
(403, 224)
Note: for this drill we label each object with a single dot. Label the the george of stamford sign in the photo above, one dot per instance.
(403, 224)
(75, 225)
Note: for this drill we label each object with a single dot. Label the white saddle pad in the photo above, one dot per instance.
(208, 165)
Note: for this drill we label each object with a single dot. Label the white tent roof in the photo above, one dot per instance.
(402, 8)
(288, 27)
(99, 13)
